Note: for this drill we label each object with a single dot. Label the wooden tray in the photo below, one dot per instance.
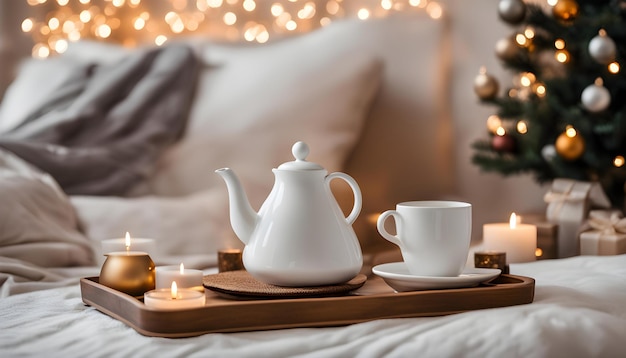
(375, 300)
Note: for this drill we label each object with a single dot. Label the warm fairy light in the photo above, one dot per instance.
(307, 12)
(500, 131)
(521, 39)
(559, 44)
(277, 9)
(27, 25)
(538, 252)
(160, 40)
(562, 56)
(127, 241)
(53, 23)
(540, 89)
(434, 10)
(493, 123)
(40, 51)
(230, 18)
(332, 7)
(60, 46)
(103, 31)
(214, 3)
(139, 23)
(325, 21)
(363, 14)
(570, 131)
(619, 161)
(133, 23)
(174, 290)
(552, 2)
(522, 127)
(249, 5)
(513, 221)
(526, 80)
(614, 67)
(529, 33)
(291, 25)
(85, 16)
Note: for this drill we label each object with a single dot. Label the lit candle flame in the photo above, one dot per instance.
(174, 290)
(513, 221)
(182, 268)
(127, 241)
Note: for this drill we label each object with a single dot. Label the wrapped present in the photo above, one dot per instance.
(607, 234)
(547, 235)
(569, 202)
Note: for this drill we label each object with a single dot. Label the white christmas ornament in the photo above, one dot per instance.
(595, 97)
(602, 48)
(548, 152)
(512, 11)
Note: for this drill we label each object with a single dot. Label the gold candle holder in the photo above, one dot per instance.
(131, 272)
(491, 259)
(229, 260)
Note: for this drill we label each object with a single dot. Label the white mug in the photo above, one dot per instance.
(433, 236)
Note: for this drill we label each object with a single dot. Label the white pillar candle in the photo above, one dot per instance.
(185, 278)
(128, 244)
(519, 241)
(174, 298)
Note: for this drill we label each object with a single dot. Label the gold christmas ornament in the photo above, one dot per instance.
(570, 145)
(485, 85)
(565, 10)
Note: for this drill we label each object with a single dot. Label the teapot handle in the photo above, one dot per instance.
(358, 200)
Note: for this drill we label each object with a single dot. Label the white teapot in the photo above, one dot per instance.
(300, 236)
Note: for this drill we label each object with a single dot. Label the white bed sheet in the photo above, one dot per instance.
(579, 311)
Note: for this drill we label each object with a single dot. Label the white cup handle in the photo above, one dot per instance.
(380, 225)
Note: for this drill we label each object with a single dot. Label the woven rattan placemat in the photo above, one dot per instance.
(241, 283)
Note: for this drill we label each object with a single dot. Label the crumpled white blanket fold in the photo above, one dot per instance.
(579, 311)
(38, 229)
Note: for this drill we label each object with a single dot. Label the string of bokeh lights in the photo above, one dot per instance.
(55, 23)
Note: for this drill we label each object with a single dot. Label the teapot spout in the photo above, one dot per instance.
(243, 218)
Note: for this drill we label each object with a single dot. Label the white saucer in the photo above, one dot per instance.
(397, 275)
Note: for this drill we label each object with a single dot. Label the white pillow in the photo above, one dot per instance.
(254, 102)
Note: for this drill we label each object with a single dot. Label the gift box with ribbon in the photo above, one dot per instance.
(606, 235)
(569, 202)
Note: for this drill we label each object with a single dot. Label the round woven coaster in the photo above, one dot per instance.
(241, 283)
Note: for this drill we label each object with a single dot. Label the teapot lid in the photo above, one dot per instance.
(300, 150)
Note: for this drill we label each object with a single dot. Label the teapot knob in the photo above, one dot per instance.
(300, 150)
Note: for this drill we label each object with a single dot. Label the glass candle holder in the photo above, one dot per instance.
(131, 272)
(491, 259)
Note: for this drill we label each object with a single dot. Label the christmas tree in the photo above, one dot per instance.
(564, 116)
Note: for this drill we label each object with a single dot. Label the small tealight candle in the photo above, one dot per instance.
(126, 243)
(174, 298)
(185, 278)
(519, 241)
